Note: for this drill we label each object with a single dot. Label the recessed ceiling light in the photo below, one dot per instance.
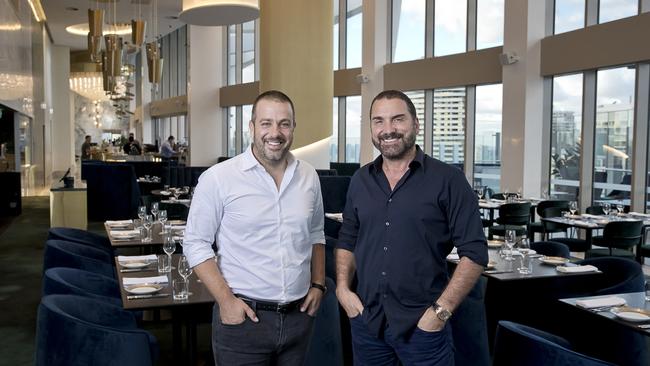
(82, 29)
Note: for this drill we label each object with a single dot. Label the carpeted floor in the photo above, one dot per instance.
(22, 240)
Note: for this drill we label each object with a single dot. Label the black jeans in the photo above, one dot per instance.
(277, 339)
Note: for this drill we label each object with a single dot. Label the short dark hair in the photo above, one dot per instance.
(87, 136)
(274, 95)
(395, 94)
(170, 138)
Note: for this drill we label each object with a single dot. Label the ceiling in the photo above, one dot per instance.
(62, 13)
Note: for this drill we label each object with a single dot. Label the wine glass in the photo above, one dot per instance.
(573, 207)
(511, 238)
(480, 192)
(607, 207)
(142, 212)
(519, 193)
(147, 221)
(620, 208)
(176, 192)
(169, 246)
(185, 271)
(524, 249)
(162, 217)
(154, 210)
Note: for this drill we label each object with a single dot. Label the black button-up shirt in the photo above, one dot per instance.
(401, 238)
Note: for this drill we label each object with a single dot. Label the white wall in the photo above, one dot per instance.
(62, 123)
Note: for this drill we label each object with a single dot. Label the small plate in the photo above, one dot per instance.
(631, 314)
(143, 288)
(491, 265)
(119, 226)
(176, 222)
(134, 264)
(125, 236)
(554, 261)
(494, 243)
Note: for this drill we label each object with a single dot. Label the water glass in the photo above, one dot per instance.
(180, 289)
(164, 263)
(511, 238)
(647, 291)
(524, 249)
(147, 222)
(162, 217)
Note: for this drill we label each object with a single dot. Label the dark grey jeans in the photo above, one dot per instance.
(277, 339)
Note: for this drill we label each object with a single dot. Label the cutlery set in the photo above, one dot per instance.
(137, 297)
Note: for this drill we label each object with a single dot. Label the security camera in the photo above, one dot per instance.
(362, 78)
(508, 58)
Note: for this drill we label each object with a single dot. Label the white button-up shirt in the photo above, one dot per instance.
(264, 235)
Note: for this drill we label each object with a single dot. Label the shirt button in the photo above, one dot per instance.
(383, 273)
(390, 200)
(387, 223)
(385, 249)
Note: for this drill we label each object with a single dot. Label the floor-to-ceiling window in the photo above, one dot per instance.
(566, 127)
(609, 10)
(487, 140)
(354, 32)
(449, 126)
(352, 129)
(569, 15)
(450, 27)
(334, 140)
(489, 23)
(408, 29)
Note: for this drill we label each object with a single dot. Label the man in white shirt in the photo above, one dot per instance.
(264, 210)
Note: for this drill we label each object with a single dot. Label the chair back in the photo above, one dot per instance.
(76, 330)
(595, 210)
(552, 212)
(175, 211)
(621, 275)
(325, 346)
(72, 281)
(345, 169)
(514, 214)
(59, 253)
(334, 189)
(80, 236)
(470, 330)
(518, 344)
(551, 248)
(623, 234)
(326, 172)
(543, 205)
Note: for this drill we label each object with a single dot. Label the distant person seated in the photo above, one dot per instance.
(85, 149)
(132, 147)
(167, 148)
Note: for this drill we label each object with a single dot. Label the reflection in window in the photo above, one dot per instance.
(569, 15)
(489, 23)
(408, 29)
(449, 126)
(614, 131)
(232, 35)
(616, 9)
(566, 126)
(353, 36)
(334, 140)
(450, 27)
(336, 35)
(248, 52)
(245, 118)
(352, 129)
(487, 140)
(232, 131)
(417, 97)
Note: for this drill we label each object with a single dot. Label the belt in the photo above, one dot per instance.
(282, 308)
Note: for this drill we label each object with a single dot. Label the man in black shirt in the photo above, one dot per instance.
(404, 213)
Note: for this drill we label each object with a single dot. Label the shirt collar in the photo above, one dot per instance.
(418, 161)
(249, 161)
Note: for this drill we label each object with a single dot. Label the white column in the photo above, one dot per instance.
(374, 56)
(62, 120)
(523, 97)
(204, 79)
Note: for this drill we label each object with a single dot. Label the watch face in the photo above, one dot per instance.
(444, 315)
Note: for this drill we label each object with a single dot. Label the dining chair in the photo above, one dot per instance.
(512, 216)
(620, 275)
(538, 226)
(60, 253)
(76, 330)
(518, 344)
(82, 237)
(74, 281)
(619, 238)
(574, 244)
(551, 248)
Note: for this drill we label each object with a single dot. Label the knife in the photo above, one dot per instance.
(145, 269)
(492, 271)
(136, 297)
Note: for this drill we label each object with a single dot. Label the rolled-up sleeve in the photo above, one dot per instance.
(465, 221)
(317, 231)
(203, 220)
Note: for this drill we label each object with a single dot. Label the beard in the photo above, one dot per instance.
(405, 143)
(263, 152)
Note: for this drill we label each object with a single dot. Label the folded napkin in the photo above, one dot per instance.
(177, 227)
(118, 222)
(141, 280)
(586, 224)
(453, 257)
(165, 193)
(124, 233)
(576, 269)
(590, 216)
(137, 258)
(639, 214)
(334, 216)
(601, 302)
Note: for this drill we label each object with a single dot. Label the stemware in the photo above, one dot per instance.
(480, 192)
(162, 217)
(519, 193)
(573, 207)
(176, 192)
(142, 212)
(524, 249)
(154, 210)
(147, 222)
(620, 208)
(511, 238)
(184, 268)
(169, 246)
(607, 207)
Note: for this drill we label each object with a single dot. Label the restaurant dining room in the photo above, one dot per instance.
(331, 182)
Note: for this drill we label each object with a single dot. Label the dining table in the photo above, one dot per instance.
(185, 313)
(135, 239)
(492, 205)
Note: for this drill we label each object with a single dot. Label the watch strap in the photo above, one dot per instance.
(319, 286)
